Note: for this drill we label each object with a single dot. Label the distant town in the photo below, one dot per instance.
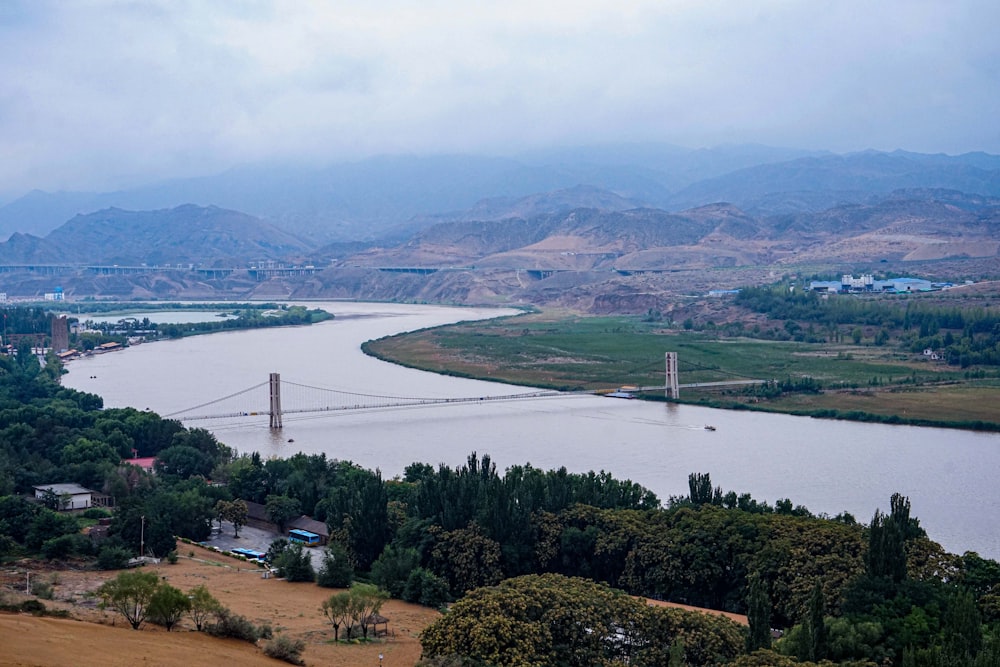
(867, 283)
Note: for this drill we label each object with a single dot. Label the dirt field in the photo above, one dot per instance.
(101, 638)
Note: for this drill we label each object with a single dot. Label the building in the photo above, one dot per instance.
(906, 285)
(305, 524)
(54, 295)
(257, 516)
(71, 496)
(144, 462)
(825, 285)
(60, 333)
(867, 283)
(68, 355)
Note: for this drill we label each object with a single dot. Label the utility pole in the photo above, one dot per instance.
(142, 535)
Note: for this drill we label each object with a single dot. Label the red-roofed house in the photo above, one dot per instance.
(145, 462)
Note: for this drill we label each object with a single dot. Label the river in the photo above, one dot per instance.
(828, 466)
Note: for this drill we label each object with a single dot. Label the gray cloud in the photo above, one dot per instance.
(108, 93)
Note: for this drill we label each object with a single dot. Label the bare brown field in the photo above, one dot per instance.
(101, 638)
(940, 403)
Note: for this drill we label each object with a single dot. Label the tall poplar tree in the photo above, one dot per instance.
(759, 615)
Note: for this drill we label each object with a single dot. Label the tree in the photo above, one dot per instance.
(962, 629)
(338, 609)
(426, 588)
(393, 567)
(168, 605)
(203, 606)
(701, 491)
(887, 537)
(533, 619)
(467, 558)
(182, 461)
(130, 594)
(280, 509)
(358, 509)
(759, 615)
(367, 600)
(336, 570)
(238, 515)
(235, 512)
(815, 626)
(293, 562)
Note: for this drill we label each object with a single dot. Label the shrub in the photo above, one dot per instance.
(8, 546)
(287, 649)
(67, 545)
(33, 607)
(234, 626)
(96, 513)
(42, 589)
(113, 557)
(426, 588)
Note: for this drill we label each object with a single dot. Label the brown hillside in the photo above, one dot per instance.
(100, 638)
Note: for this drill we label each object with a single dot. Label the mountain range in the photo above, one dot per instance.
(375, 230)
(389, 196)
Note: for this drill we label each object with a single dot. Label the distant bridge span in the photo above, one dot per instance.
(283, 397)
(250, 402)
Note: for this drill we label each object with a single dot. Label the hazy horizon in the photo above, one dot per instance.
(100, 95)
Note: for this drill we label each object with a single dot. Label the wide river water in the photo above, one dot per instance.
(949, 475)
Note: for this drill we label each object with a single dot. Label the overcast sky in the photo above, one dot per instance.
(100, 94)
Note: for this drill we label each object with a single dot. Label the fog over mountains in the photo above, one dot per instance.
(626, 209)
(368, 199)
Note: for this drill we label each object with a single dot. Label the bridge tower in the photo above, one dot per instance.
(275, 400)
(672, 389)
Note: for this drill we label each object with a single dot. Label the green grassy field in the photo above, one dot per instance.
(589, 353)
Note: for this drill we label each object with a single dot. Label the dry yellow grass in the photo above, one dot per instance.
(99, 638)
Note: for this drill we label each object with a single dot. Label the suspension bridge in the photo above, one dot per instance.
(276, 397)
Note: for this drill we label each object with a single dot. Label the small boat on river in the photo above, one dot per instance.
(709, 427)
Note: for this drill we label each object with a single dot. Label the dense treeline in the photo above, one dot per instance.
(26, 320)
(964, 336)
(249, 316)
(846, 592)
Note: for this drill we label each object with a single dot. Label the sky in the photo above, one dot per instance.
(108, 94)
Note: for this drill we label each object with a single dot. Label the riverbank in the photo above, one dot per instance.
(165, 321)
(565, 351)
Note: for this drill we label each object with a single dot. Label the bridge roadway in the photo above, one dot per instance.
(388, 403)
(401, 403)
(265, 272)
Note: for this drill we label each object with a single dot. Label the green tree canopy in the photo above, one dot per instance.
(130, 594)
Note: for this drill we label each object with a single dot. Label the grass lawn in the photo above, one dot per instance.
(570, 352)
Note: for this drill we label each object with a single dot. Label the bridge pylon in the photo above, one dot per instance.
(275, 383)
(673, 390)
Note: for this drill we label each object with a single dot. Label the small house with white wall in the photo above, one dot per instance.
(71, 496)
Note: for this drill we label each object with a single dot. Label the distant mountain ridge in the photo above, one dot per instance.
(188, 234)
(368, 199)
(817, 183)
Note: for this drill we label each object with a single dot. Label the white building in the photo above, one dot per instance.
(852, 284)
(71, 496)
